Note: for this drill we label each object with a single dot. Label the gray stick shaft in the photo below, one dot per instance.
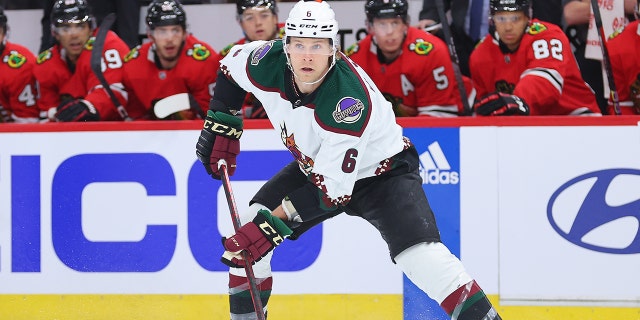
(454, 57)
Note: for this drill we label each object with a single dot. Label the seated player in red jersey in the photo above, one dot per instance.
(624, 50)
(259, 21)
(172, 62)
(69, 90)
(410, 66)
(18, 90)
(526, 67)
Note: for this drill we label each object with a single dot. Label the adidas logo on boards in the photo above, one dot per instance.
(435, 168)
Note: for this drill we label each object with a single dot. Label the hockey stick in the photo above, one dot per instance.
(96, 63)
(454, 57)
(235, 218)
(171, 104)
(605, 57)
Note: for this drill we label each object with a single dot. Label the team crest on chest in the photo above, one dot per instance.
(536, 28)
(421, 47)
(14, 59)
(199, 52)
(348, 110)
(260, 53)
(289, 141)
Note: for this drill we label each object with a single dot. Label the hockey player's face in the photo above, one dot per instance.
(389, 34)
(310, 57)
(510, 27)
(259, 23)
(72, 37)
(168, 41)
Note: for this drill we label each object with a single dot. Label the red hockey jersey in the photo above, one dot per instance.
(542, 71)
(624, 50)
(195, 73)
(57, 80)
(18, 91)
(421, 77)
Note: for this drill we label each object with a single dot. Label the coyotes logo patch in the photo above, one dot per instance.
(261, 52)
(348, 110)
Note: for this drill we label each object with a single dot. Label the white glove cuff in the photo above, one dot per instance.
(290, 210)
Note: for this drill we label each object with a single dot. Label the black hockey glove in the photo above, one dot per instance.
(76, 110)
(219, 139)
(5, 116)
(501, 104)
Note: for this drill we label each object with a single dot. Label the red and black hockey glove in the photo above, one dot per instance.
(76, 110)
(257, 237)
(501, 104)
(219, 139)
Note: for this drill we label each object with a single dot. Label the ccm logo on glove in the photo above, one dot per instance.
(258, 238)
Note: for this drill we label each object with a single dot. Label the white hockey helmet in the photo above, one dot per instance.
(311, 19)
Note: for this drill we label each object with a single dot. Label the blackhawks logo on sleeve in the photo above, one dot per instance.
(134, 53)
(44, 56)
(14, 59)
(421, 47)
(199, 52)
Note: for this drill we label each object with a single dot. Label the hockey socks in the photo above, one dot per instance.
(240, 303)
(469, 303)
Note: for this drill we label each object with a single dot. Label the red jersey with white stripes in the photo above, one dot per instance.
(195, 73)
(624, 50)
(542, 71)
(421, 77)
(18, 93)
(57, 79)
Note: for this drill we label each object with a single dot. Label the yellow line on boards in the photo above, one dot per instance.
(214, 307)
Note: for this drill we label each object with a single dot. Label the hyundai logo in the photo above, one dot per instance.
(599, 211)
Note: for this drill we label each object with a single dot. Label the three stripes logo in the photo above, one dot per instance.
(435, 168)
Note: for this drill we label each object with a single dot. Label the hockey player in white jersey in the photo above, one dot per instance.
(349, 156)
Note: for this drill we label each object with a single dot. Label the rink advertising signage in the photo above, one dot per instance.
(134, 212)
(532, 211)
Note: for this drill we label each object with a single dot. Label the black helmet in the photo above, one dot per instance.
(242, 5)
(166, 13)
(386, 9)
(3, 20)
(510, 5)
(70, 11)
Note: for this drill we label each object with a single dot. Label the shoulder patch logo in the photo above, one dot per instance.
(44, 56)
(261, 52)
(134, 53)
(199, 52)
(615, 33)
(14, 59)
(536, 28)
(225, 50)
(421, 47)
(352, 49)
(89, 44)
(348, 110)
